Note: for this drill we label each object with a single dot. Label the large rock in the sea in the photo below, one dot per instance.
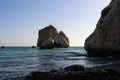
(50, 38)
(106, 37)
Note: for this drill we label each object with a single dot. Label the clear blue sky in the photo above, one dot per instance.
(20, 20)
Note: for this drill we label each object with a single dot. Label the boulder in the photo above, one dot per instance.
(75, 68)
(3, 47)
(45, 34)
(105, 40)
(49, 38)
(33, 46)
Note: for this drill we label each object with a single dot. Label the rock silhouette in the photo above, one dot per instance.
(75, 72)
(49, 38)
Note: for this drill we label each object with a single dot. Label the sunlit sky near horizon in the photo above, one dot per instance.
(20, 20)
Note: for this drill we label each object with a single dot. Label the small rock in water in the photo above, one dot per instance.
(3, 47)
(33, 46)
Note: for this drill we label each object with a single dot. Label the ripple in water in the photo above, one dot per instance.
(20, 61)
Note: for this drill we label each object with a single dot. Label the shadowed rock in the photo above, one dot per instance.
(33, 46)
(78, 73)
(105, 40)
(3, 47)
(75, 68)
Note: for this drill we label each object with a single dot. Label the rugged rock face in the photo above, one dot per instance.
(50, 38)
(61, 40)
(106, 37)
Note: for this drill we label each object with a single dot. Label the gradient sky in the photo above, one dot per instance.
(20, 20)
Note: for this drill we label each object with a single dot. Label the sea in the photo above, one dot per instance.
(20, 61)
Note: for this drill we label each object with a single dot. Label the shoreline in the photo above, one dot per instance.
(112, 71)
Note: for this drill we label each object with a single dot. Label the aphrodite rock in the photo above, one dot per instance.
(50, 38)
(61, 40)
(106, 37)
(47, 43)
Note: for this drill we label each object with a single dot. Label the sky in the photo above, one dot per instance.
(20, 20)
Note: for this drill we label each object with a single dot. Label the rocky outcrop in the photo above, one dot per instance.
(61, 40)
(78, 73)
(106, 37)
(50, 38)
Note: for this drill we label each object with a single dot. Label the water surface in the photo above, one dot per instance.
(20, 61)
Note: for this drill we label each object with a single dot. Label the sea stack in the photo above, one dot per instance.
(49, 38)
(105, 40)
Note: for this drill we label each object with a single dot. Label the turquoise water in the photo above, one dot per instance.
(20, 61)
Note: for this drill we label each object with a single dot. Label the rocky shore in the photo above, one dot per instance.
(77, 72)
